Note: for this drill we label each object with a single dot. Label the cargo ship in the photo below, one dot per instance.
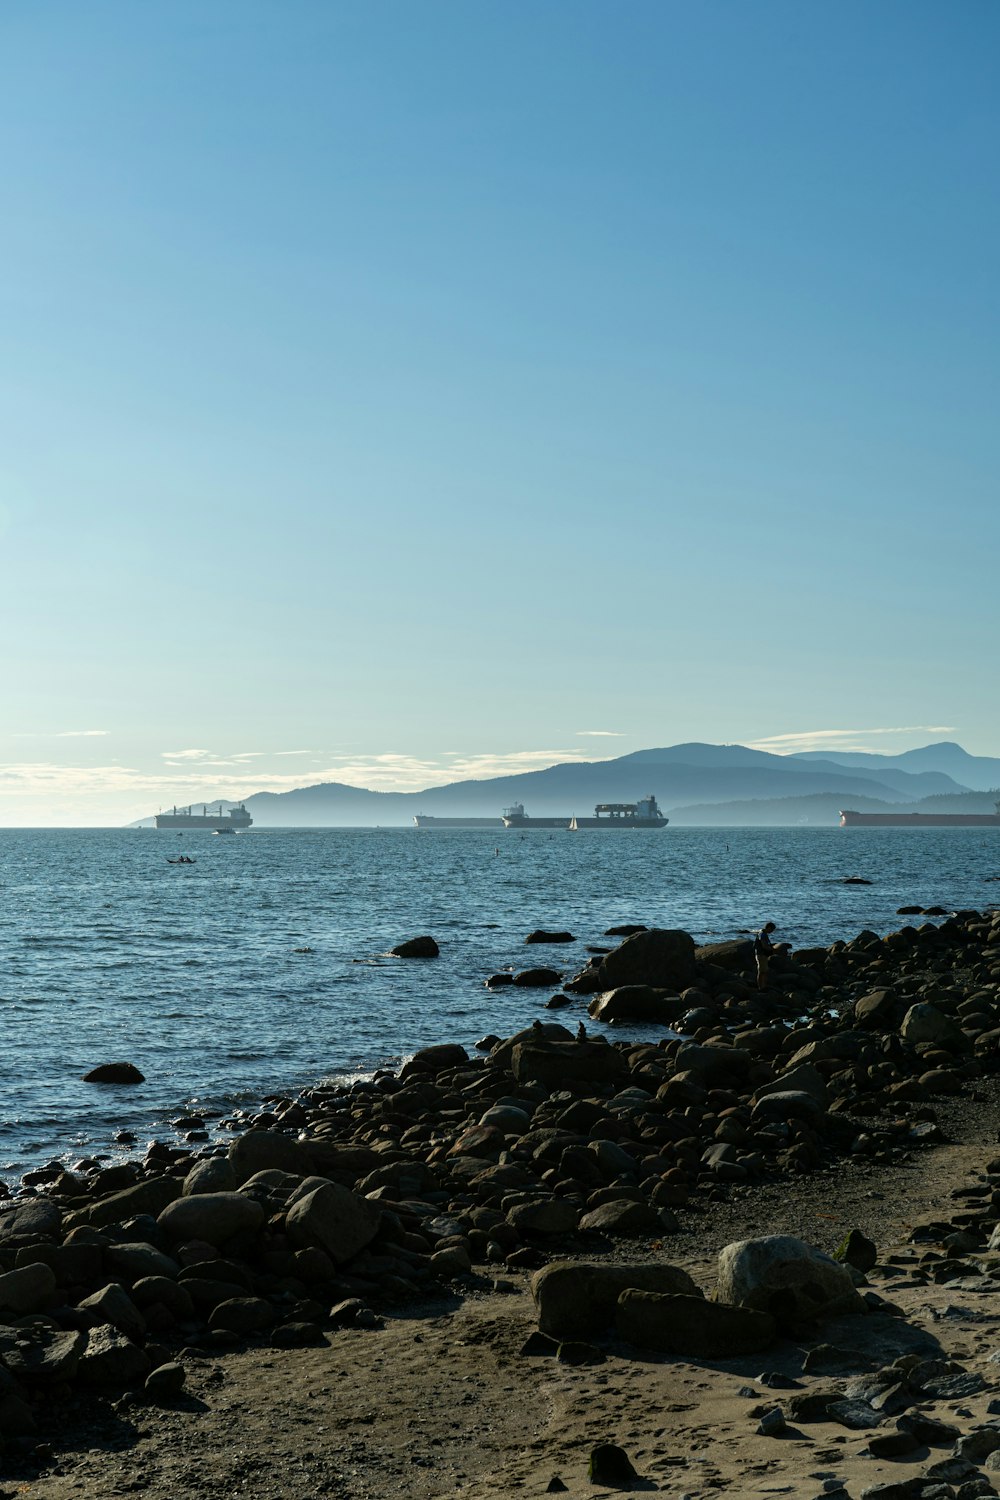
(212, 822)
(516, 817)
(426, 820)
(641, 814)
(920, 820)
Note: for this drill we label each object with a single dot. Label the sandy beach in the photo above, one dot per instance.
(354, 1384)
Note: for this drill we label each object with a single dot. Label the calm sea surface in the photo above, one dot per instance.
(107, 952)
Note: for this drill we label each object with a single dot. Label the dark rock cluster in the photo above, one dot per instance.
(326, 1207)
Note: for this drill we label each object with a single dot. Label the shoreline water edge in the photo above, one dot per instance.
(466, 1173)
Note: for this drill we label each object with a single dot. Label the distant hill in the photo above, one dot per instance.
(678, 775)
(820, 810)
(690, 776)
(980, 773)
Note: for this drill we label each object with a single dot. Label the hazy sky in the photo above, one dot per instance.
(391, 392)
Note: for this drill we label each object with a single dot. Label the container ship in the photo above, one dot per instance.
(641, 814)
(213, 822)
(920, 820)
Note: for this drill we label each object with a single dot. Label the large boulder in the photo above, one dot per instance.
(260, 1150)
(112, 1360)
(335, 1219)
(149, 1197)
(692, 1327)
(661, 957)
(26, 1289)
(637, 1002)
(735, 956)
(34, 1219)
(561, 1064)
(787, 1278)
(37, 1355)
(925, 1023)
(212, 1217)
(577, 1301)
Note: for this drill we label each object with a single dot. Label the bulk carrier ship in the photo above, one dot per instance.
(920, 820)
(213, 822)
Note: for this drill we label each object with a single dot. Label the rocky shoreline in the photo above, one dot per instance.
(339, 1216)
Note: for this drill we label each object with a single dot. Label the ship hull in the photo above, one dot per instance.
(586, 823)
(919, 820)
(531, 823)
(425, 820)
(191, 821)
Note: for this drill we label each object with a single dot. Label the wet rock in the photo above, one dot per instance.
(661, 957)
(119, 1072)
(638, 1002)
(541, 936)
(691, 1327)
(418, 947)
(577, 1300)
(537, 979)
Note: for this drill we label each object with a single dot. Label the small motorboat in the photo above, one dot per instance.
(182, 859)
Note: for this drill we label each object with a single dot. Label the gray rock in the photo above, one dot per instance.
(925, 1023)
(26, 1290)
(544, 1216)
(242, 1315)
(214, 1174)
(133, 1261)
(113, 1305)
(623, 1219)
(265, 1150)
(112, 1360)
(787, 1278)
(169, 1294)
(577, 1300)
(40, 1356)
(691, 1327)
(166, 1381)
(335, 1219)
(637, 1002)
(788, 1105)
(661, 957)
(212, 1217)
(149, 1197)
(36, 1219)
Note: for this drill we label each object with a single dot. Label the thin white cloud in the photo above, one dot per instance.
(604, 734)
(60, 734)
(839, 739)
(186, 754)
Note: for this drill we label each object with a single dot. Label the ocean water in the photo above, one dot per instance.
(194, 973)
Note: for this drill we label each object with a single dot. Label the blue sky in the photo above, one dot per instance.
(390, 393)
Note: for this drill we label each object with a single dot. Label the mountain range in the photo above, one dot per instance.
(692, 783)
